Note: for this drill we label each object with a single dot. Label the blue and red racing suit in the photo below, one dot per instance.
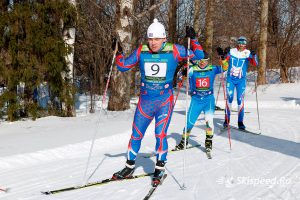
(201, 82)
(156, 92)
(238, 62)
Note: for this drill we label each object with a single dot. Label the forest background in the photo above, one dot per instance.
(52, 50)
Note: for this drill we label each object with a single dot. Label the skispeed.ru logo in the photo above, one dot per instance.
(245, 180)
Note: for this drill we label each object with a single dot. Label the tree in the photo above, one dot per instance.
(173, 21)
(262, 53)
(209, 31)
(35, 52)
(197, 5)
(120, 89)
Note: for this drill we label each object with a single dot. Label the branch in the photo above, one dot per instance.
(137, 17)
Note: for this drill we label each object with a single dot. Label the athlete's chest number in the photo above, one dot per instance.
(202, 82)
(155, 69)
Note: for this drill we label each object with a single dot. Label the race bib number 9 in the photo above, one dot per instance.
(156, 71)
(203, 83)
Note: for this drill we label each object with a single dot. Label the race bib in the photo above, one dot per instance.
(202, 83)
(236, 71)
(155, 71)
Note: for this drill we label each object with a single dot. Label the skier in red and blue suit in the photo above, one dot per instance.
(238, 60)
(157, 62)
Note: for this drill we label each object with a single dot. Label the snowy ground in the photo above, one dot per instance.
(52, 153)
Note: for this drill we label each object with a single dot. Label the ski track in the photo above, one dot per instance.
(267, 156)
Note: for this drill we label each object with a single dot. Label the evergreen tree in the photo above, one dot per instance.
(33, 52)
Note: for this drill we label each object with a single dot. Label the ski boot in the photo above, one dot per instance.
(208, 145)
(180, 146)
(241, 126)
(125, 173)
(225, 124)
(158, 173)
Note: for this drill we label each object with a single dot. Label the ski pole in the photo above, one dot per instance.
(109, 75)
(217, 107)
(103, 102)
(186, 109)
(257, 105)
(226, 105)
(178, 91)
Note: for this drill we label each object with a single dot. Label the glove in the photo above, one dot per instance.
(253, 52)
(184, 72)
(220, 52)
(226, 51)
(190, 32)
(113, 46)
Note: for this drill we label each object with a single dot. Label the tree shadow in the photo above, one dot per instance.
(146, 163)
(262, 141)
(286, 147)
(296, 100)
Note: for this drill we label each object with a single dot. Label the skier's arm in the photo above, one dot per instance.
(197, 50)
(225, 62)
(253, 59)
(219, 69)
(124, 64)
(180, 52)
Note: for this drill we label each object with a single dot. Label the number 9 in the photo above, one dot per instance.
(155, 69)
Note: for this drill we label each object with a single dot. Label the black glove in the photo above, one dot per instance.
(253, 52)
(113, 46)
(190, 32)
(220, 51)
(184, 71)
(226, 51)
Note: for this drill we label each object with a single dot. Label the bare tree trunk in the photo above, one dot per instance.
(209, 31)
(262, 52)
(152, 12)
(197, 17)
(120, 89)
(172, 21)
(283, 74)
(69, 38)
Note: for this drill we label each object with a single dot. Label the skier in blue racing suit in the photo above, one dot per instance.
(237, 60)
(157, 61)
(201, 81)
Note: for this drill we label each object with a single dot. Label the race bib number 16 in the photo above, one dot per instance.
(156, 71)
(202, 83)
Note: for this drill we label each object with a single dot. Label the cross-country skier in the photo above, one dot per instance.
(201, 81)
(237, 60)
(157, 61)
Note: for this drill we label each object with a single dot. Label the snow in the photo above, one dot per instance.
(52, 153)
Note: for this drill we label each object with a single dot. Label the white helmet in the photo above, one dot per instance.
(156, 30)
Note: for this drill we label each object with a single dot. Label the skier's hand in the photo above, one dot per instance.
(184, 72)
(190, 32)
(253, 52)
(226, 51)
(118, 48)
(220, 52)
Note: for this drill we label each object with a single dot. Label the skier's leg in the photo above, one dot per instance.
(143, 116)
(230, 93)
(240, 90)
(162, 120)
(209, 117)
(193, 114)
